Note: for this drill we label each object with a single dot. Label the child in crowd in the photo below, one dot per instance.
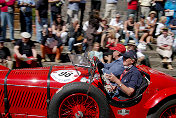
(95, 52)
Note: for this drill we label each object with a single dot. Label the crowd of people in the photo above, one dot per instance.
(147, 21)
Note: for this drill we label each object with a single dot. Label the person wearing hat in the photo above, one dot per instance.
(141, 58)
(130, 80)
(25, 51)
(5, 56)
(164, 47)
(151, 23)
(116, 67)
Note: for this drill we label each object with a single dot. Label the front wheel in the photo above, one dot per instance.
(168, 110)
(73, 101)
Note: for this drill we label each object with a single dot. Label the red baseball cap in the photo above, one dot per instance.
(119, 47)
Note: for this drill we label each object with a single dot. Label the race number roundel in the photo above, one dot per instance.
(65, 76)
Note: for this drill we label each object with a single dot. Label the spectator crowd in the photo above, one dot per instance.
(146, 22)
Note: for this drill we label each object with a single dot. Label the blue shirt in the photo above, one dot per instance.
(173, 22)
(132, 78)
(111, 1)
(26, 9)
(116, 67)
(83, 1)
(170, 4)
(73, 6)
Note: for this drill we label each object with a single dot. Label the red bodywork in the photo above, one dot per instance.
(27, 91)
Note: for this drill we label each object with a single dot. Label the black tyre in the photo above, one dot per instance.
(167, 110)
(72, 101)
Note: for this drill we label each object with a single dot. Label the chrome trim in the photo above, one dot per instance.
(28, 115)
(29, 86)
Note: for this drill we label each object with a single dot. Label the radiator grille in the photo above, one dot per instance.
(25, 99)
(1, 98)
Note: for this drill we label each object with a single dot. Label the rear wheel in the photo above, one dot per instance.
(74, 102)
(168, 110)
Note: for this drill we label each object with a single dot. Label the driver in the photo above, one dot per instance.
(130, 79)
(116, 67)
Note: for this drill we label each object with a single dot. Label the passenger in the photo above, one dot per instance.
(130, 80)
(116, 67)
(25, 51)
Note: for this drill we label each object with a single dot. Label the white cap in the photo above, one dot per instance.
(25, 35)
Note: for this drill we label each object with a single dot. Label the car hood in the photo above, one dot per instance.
(57, 76)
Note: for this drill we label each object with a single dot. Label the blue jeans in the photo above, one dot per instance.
(7, 18)
(39, 28)
(71, 43)
(28, 22)
(131, 36)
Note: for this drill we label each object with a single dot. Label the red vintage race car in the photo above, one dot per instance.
(78, 91)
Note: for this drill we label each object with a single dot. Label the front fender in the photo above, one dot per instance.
(158, 97)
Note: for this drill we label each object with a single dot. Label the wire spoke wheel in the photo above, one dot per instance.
(170, 112)
(74, 101)
(79, 105)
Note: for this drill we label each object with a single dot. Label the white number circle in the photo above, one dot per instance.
(65, 76)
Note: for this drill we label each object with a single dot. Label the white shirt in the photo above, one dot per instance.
(146, 3)
(113, 22)
(139, 54)
(86, 24)
(161, 40)
(158, 28)
(151, 21)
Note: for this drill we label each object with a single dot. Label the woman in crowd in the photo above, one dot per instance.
(151, 23)
(160, 25)
(59, 28)
(164, 47)
(141, 29)
(109, 42)
(129, 29)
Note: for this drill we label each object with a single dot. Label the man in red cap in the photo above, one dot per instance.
(116, 67)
